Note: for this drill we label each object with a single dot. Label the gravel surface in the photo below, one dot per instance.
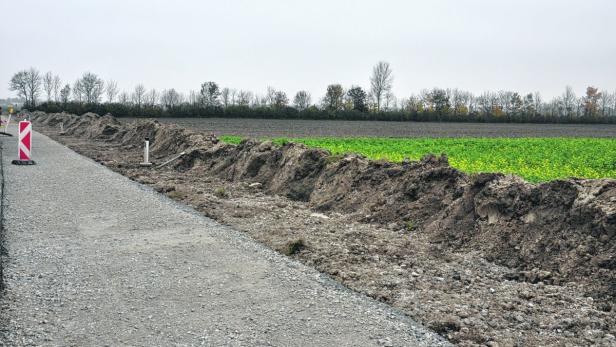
(96, 259)
(318, 128)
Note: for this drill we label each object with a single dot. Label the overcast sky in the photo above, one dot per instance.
(521, 45)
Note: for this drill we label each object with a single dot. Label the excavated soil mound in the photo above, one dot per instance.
(550, 232)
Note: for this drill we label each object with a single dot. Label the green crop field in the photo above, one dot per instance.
(535, 159)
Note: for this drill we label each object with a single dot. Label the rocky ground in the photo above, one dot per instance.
(454, 290)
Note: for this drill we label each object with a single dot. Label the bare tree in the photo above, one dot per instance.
(124, 98)
(19, 84)
(302, 100)
(538, 102)
(27, 84)
(193, 98)
(605, 101)
(614, 103)
(138, 96)
(280, 99)
(65, 94)
(270, 95)
(569, 102)
(57, 84)
(233, 97)
(92, 87)
(152, 97)
(381, 82)
(48, 84)
(111, 90)
(170, 98)
(244, 97)
(391, 103)
(78, 94)
(225, 95)
(34, 84)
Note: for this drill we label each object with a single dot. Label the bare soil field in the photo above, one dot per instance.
(263, 128)
(485, 260)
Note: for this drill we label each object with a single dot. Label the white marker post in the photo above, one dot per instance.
(146, 153)
(6, 127)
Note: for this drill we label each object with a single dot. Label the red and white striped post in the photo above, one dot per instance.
(24, 145)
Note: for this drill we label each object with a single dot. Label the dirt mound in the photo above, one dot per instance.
(52, 119)
(550, 232)
(89, 125)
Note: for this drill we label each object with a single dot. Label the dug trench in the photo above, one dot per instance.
(486, 259)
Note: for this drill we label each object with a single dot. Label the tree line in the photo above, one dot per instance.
(90, 93)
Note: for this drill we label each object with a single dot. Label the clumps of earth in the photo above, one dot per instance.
(486, 259)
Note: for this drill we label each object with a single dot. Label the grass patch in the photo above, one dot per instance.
(535, 159)
(221, 192)
(175, 195)
(294, 247)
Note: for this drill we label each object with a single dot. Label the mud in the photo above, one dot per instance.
(483, 259)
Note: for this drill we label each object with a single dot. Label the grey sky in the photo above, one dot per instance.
(521, 45)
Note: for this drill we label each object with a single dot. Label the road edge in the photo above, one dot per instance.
(3, 250)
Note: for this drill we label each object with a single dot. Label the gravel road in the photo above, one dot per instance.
(95, 259)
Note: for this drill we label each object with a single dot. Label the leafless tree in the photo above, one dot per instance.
(538, 102)
(48, 84)
(138, 96)
(92, 87)
(302, 100)
(111, 90)
(425, 98)
(65, 94)
(225, 96)
(19, 84)
(78, 94)
(34, 84)
(152, 97)
(170, 98)
(412, 104)
(390, 101)
(487, 102)
(193, 98)
(569, 102)
(244, 97)
(124, 98)
(270, 96)
(27, 84)
(504, 98)
(233, 97)
(614, 103)
(381, 82)
(280, 99)
(605, 102)
(57, 84)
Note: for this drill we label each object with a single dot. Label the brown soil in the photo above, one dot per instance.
(485, 259)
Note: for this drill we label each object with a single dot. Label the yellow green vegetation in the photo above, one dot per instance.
(535, 159)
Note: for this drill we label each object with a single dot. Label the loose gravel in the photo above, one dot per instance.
(96, 259)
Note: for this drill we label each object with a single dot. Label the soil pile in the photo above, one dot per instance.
(551, 232)
(543, 235)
